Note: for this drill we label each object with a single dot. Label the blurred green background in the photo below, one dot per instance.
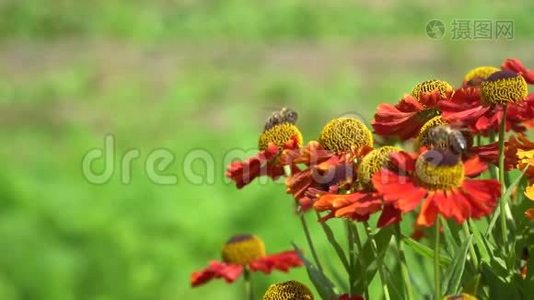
(186, 75)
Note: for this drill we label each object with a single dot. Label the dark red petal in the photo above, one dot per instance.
(390, 215)
(216, 269)
(512, 64)
(282, 261)
(403, 119)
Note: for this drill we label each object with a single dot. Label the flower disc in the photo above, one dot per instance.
(289, 290)
(279, 135)
(243, 249)
(430, 86)
(373, 162)
(503, 87)
(439, 170)
(345, 134)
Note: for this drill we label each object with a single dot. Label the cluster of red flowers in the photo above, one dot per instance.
(343, 175)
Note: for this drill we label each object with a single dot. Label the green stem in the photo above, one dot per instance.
(310, 242)
(350, 238)
(474, 257)
(502, 202)
(493, 172)
(358, 242)
(287, 171)
(437, 281)
(379, 260)
(248, 284)
(404, 266)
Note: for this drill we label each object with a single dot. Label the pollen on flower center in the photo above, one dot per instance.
(373, 162)
(430, 86)
(289, 290)
(345, 134)
(279, 135)
(243, 249)
(438, 170)
(477, 75)
(503, 87)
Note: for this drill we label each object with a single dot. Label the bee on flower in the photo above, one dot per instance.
(280, 134)
(438, 182)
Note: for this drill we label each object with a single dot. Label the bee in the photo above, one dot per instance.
(447, 138)
(284, 115)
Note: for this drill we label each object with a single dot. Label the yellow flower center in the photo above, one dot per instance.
(279, 135)
(289, 290)
(345, 134)
(423, 138)
(477, 75)
(243, 249)
(430, 86)
(439, 170)
(373, 162)
(503, 87)
(463, 296)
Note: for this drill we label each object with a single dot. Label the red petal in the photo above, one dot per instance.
(216, 269)
(282, 261)
(398, 189)
(402, 119)
(482, 195)
(244, 172)
(474, 167)
(429, 212)
(515, 65)
(390, 215)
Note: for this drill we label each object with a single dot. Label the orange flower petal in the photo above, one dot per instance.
(530, 214)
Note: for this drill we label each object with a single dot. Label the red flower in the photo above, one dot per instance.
(265, 163)
(362, 201)
(481, 117)
(403, 119)
(440, 182)
(337, 172)
(245, 251)
(406, 118)
(329, 162)
(515, 65)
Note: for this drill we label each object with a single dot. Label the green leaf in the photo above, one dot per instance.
(366, 263)
(453, 275)
(322, 284)
(449, 238)
(506, 197)
(499, 287)
(332, 239)
(425, 251)
(483, 247)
